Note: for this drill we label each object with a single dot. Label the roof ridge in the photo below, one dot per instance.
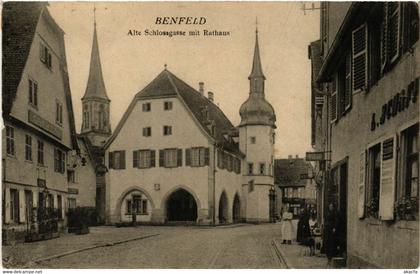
(148, 85)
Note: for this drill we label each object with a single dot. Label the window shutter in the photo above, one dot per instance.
(362, 186)
(161, 158)
(188, 157)
(179, 157)
(388, 174)
(135, 158)
(122, 159)
(384, 38)
(334, 101)
(393, 28)
(111, 159)
(347, 84)
(206, 156)
(359, 51)
(152, 158)
(41, 52)
(144, 131)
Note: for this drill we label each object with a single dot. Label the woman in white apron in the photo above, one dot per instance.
(287, 227)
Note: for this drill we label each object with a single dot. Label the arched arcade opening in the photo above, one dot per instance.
(181, 207)
(223, 208)
(236, 209)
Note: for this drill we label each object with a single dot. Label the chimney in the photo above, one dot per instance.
(297, 156)
(211, 96)
(290, 157)
(201, 88)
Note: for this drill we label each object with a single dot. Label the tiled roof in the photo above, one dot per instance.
(19, 21)
(287, 172)
(167, 84)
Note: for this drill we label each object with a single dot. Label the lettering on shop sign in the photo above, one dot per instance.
(400, 102)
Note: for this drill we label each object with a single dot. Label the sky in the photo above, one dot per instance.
(223, 63)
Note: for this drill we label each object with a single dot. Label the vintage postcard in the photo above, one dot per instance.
(210, 135)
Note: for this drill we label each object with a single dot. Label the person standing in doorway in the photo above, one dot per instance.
(330, 233)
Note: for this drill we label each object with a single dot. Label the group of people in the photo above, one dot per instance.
(305, 230)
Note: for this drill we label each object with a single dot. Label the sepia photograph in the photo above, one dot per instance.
(210, 135)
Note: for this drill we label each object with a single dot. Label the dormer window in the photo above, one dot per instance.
(45, 56)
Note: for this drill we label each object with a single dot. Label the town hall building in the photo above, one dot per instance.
(176, 157)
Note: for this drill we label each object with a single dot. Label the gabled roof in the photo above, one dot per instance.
(287, 172)
(19, 21)
(167, 84)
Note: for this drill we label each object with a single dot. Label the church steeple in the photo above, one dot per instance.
(95, 102)
(256, 77)
(95, 87)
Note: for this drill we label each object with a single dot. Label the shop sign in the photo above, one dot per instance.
(315, 156)
(73, 190)
(400, 102)
(44, 124)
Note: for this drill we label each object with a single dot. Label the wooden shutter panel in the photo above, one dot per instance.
(135, 158)
(122, 159)
(161, 157)
(347, 84)
(393, 29)
(188, 157)
(206, 156)
(384, 38)
(360, 58)
(111, 160)
(388, 175)
(334, 101)
(41, 52)
(152, 158)
(362, 186)
(179, 157)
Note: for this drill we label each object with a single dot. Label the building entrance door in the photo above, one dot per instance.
(236, 210)
(181, 206)
(342, 210)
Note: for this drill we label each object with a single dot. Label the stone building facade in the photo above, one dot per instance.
(175, 157)
(365, 118)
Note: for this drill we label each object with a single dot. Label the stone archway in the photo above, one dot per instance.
(223, 208)
(181, 207)
(236, 209)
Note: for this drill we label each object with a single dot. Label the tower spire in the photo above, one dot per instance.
(256, 64)
(95, 87)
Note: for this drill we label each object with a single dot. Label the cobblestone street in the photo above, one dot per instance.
(237, 246)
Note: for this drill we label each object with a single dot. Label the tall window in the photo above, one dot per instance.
(374, 177)
(45, 56)
(411, 159)
(72, 203)
(250, 168)
(29, 205)
(58, 112)
(14, 205)
(147, 131)
(167, 105)
(10, 140)
(251, 186)
(59, 161)
(144, 158)
(198, 156)
(40, 152)
(71, 176)
(147, 107)
(86, 116)
(170, 158)
(33, 93)
(167, 130)
(28, 148)
(262, 168)
(117, 159)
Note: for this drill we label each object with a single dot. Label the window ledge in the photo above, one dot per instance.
(10, 156)
(29, 161)
(373, 221)
(142, 214)
(33, 106)
(410, 225)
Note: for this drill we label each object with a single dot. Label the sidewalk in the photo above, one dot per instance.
(27, 254)
(297, 256)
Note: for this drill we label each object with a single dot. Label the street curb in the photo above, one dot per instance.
(89, 248)
(281, 255)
